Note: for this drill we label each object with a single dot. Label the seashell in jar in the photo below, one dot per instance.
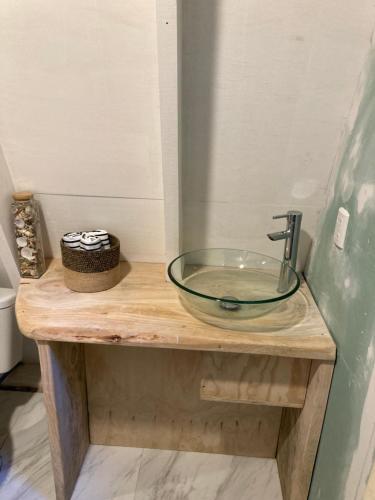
(27, 253)
(20, 223)
(21, 242)
(24, 265)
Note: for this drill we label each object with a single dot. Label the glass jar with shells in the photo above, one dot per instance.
(28, 235)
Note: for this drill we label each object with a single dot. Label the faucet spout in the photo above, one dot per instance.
(279, 235)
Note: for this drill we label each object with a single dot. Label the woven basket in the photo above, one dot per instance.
(91, 271)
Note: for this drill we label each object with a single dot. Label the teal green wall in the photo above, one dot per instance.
(343, 284)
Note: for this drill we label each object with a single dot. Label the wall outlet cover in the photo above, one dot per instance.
(341, 227)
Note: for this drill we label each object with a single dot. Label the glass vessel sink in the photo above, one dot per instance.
(227, 287)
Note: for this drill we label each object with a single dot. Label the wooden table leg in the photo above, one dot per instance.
(64, 388)
(300, 433)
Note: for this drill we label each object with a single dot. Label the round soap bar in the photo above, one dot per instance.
(89, 242)
(72, 237)
(72, 240)
(100, 233)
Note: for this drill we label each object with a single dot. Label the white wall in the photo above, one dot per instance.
(266, 90)
(80, 123)
(7, 247)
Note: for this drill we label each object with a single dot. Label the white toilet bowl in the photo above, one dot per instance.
(10, 337)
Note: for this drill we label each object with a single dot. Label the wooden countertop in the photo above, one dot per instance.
(144, 310)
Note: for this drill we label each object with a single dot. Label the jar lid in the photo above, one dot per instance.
(7, 297)
(22, 195)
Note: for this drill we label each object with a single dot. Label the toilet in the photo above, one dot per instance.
(10, 337)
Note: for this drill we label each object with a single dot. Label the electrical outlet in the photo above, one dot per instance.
(341, 227)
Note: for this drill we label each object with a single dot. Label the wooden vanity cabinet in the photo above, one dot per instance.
(131, 367)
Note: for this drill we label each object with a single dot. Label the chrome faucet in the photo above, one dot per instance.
(291, 237)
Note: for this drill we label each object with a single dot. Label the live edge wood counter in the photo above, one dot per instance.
(129, 366)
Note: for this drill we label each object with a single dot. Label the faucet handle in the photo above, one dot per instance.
(283, 216)
(291, 214)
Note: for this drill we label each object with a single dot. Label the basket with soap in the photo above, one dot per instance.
(91, 260)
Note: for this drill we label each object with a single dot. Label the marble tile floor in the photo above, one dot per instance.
(120, 473)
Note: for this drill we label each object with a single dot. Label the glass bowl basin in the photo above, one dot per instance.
(227, 287)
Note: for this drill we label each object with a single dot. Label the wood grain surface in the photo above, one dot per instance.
(64, 390)
(143, 309)
(149, 398)
(300, 433)
(252, 379)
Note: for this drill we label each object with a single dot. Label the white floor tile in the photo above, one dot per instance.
(119, 473)
(25, 464)
(108, 473)
(168, 475)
